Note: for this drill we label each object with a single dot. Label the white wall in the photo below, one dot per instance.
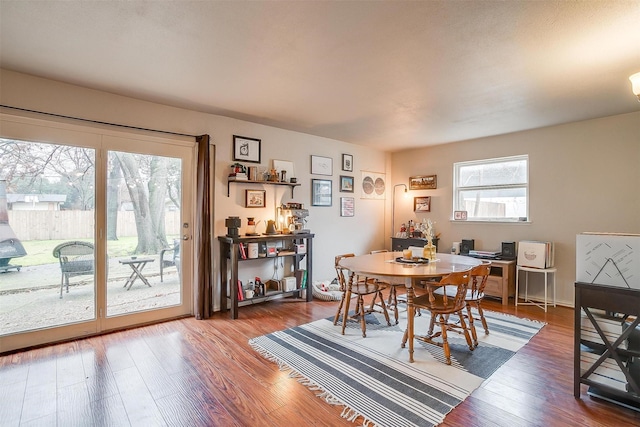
(334, 234)
(583, 176)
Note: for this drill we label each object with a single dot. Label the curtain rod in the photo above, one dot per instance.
(97, 122)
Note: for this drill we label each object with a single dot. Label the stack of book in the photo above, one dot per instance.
(239, 176)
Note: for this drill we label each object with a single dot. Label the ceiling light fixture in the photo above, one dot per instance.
(635, 84)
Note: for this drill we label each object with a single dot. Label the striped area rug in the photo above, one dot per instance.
(372, 378)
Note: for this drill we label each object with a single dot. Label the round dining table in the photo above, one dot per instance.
(391, 265)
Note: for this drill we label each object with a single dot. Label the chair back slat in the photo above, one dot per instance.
(448, 303)
(341, 272)
(479, 275)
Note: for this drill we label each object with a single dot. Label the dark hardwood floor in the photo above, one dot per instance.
(204, 373)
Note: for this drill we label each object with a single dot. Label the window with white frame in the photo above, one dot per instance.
(492, 189)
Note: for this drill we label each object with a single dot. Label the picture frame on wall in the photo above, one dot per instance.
(347, 206)
(255, 198)
(347, 162)
(460, 215)
(321, 192)
(422, 204)
(286, 167)
(246, 149)
(346, 184)
(424, 182)
(373, 185)
(321, 165)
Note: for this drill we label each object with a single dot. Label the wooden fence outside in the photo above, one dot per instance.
(69, 225)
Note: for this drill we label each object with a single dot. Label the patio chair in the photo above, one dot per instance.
(171, 260)
(76, 259)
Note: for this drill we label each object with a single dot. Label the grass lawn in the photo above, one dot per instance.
(41, 251)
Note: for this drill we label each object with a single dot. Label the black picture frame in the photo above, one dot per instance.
(347, 162)
(346, 184)
(246, 149)
(321, 192)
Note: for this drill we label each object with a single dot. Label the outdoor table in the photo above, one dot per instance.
(137, 265)
(384, 265)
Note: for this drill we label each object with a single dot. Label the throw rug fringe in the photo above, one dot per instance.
(372, 377)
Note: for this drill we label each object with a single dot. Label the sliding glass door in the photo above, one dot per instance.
(144, 230)
(47, 235)
(95, 230)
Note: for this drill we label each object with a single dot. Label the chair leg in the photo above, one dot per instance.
(405, 337)
(62, 285)
(445, 342)
(431, 325)
(345, 316)
(463, 324)
(363, 323)
(482, 319)
(384, 308)
(337, 316)
(472, 326)
(393, 299)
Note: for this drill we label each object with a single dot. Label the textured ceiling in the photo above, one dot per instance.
(386, 74)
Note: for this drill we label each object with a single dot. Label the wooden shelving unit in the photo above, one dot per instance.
(289, 184)
(230, 262)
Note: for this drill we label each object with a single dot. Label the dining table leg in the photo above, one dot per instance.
(410, 316)
(347, 297)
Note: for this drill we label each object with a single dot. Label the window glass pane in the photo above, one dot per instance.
(494, 203)
(47, 228)
(493, 173)
(143, 232)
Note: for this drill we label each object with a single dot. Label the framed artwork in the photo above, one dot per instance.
(321, 165)
(422, 204)
(373, 185)
(286, 167)
(460, 215)
(321, 192)
(246, 149)
(254, 198)
(426, 182)
(346, 184)
(347, 162)
(347, 206)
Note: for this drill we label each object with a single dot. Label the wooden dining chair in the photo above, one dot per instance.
(360, 287)
(479, 275)
(392, 299)
(441, 305)
(473, 298)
